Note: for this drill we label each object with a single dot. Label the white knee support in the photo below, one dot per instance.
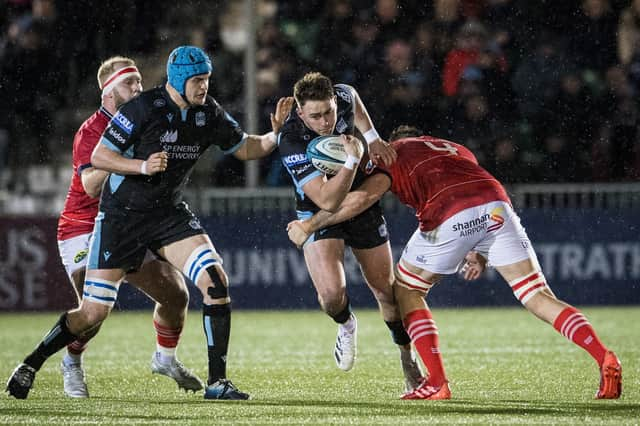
(197, 263)
(410, 280)
(525, 287)
(100, 291)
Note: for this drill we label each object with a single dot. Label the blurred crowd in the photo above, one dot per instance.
(540, 90)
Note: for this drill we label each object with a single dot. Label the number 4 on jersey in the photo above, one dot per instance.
(446, 146)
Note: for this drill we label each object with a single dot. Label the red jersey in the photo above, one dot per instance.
(439, 178)
(80, 210)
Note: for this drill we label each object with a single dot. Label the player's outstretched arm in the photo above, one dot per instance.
(258, 146)
(356, 201)
(379, 150)
(106, 159)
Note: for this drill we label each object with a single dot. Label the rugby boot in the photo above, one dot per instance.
(177, 371)
(346, 340)
(610, 377)
(75, 385)
(427, 391)
(21, 381)
(225, 390)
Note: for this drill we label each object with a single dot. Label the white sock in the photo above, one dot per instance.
(350, 324)
(72, 359)
(165, 355)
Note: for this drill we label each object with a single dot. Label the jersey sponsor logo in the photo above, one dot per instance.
(80, 255)
(341, 126)
(159, 103)
(169, 136)
(481, 223)
(346, 96)
(195, 223)
(294, 159)
(116, 135)
(123, 122)
(201, 119)
(302, 169)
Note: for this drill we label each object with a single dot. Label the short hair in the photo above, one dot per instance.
(313, 87)
(405, 131)
(109, 66)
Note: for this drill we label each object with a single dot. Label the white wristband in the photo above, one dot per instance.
(371, 135)
(351, 162)
(143, 168)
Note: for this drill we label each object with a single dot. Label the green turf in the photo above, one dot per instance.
(505, 367)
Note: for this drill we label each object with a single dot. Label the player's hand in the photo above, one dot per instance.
(282, 111)
(381, 152)
(156, 163)
(298, 232)
(352, 146)
(474, 266)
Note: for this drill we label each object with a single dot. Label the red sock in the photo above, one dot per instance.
(167, 337)
(77, 346)
(424, 335)
(575, 327)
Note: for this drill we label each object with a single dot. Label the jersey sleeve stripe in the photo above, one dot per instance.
(83, 167)
(106, 142)
(238, 145)
(304, 181)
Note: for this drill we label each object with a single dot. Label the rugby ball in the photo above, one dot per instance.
(327, 154)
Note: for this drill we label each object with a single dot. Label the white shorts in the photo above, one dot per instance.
(74, 253)
(492, 229)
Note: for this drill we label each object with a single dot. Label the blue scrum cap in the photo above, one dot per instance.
(185, 62)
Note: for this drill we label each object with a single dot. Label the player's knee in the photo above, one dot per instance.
(91, 315)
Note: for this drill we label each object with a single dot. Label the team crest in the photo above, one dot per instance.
(80, 255)
(169, 136)
(201, 119)
(341, 126)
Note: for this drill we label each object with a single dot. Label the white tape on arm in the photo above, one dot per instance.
(143, 168)
(371, 135)
(351, 162)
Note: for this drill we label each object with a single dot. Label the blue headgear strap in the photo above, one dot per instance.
(185, 62)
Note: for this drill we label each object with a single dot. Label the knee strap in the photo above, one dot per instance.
(100, 291)
(410, 280)
(526, 286)
(199, 261)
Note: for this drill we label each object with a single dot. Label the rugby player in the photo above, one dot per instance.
(327, 109)
(120, 81)
(464, 213)
(150, 147)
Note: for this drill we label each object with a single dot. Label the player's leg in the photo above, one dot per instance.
(73, 254)
(100, 293)
(510, 252)
(199, 261)
(324, 262)
(411, 286)
(377, 269)
(166, 286)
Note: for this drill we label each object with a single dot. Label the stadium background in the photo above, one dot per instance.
(546, 94)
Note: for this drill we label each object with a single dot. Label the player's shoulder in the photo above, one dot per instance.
(293, 127)
(344, 92)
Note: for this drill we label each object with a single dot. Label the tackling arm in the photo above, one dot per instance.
(92, 180)
(356, 201)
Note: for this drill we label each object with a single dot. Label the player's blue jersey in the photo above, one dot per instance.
(295, 136)
(152, 122)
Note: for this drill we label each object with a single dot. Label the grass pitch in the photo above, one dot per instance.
(505, 367)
